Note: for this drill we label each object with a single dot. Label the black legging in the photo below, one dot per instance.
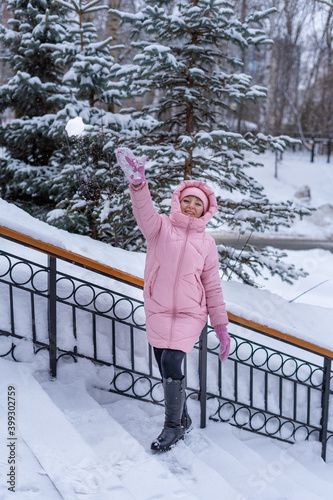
(169, 362)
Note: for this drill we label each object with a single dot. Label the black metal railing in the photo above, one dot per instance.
(282, 395)
(266, 386)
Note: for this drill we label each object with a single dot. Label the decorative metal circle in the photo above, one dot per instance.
(123, 309)
(104, 302)
(304, 372)
(244, 351)
(142, 387)
(84, 295)
(65, 288)
(138, 313)
(226, 411)
(301, 433)
(260, 357)
(213, 405)
(289, 367)
(69, 354)
(287, 430)
(4, 265)
(123, 381)
(10, 351)
(273, 425)
(43, 348)
(24, 273)
(258, 421)
(213, 347)
(157, 393)
(40, 278)
(317, 373)
(233, 345)
(314, 435)
(275, 362)
(242, 416)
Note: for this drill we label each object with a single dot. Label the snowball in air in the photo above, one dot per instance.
(75, 126)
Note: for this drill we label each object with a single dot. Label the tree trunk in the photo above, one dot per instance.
(112, 22)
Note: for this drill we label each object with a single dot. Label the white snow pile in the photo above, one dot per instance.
(19, 220)
(303, 321)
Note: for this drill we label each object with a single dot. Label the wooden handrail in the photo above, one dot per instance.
(85, 262)
(286, 337)
(91, 264)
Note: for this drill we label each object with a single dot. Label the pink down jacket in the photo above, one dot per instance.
(182, 282)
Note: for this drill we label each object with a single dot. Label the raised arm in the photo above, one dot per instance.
(149, 221)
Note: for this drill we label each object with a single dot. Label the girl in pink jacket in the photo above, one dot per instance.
(182, 284)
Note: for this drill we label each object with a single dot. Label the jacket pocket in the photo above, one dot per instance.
(201, 291)
(152, 279)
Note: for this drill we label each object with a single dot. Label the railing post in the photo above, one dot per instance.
(313, 149)
(52, 318)
(203, 376)
(325, 406)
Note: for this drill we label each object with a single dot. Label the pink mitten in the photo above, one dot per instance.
(133, 168)
(222, 334)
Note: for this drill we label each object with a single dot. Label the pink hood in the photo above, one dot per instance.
(182, 282)
(175, 203)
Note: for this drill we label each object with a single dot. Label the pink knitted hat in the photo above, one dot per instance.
(194, 191)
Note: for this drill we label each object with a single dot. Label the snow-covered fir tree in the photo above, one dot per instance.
(186, 60)
(88, 190)
(187, 68)
(62, 71)
(35, 93)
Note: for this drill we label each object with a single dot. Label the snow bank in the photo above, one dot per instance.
(17, 219)
(304, 321)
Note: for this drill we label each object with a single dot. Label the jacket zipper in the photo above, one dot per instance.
(180, 261)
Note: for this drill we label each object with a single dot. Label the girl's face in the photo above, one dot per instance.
(192, 206)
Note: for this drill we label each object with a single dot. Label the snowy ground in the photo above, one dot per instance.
(77, 442)
(74, 441)
(316, 288)
(296, 172)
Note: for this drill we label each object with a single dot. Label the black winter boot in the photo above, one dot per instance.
(186, 420)
(174, 399)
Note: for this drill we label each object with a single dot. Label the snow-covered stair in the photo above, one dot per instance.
(144, 476)
(250, 467)
(175, 475)
(270, 467)
(78, 442)
(301, 462)
(203, 480)
(69, 462)
(32, 481)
